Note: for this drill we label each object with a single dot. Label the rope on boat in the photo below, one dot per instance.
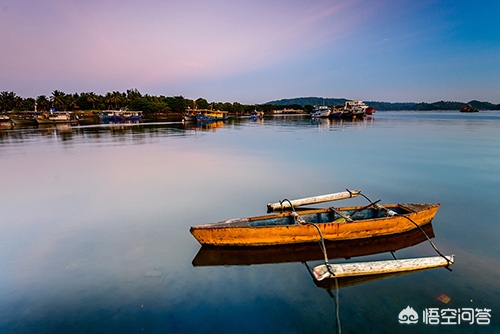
(432, 244)
(301, 221)
(393, 213)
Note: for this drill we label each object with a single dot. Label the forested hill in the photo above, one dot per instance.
(440, 105)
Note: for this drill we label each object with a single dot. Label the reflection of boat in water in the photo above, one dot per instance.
(209, 125)
(234, 256)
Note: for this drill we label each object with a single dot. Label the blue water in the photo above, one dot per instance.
(95, 222)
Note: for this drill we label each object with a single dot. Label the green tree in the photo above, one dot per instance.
(201, 103)
(42, 103)
(114, 100)
(57, 100)
(7, 101)
(176, 103)
(92, 98)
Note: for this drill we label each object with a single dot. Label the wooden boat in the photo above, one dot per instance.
(347, 223)
(61, 118)
(23, 119)
(381, 267)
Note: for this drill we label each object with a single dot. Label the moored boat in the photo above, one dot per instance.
(347, 223)
(370, 110)
(24, 118)
(213, 115)
(256, 114)
(321, 112)
(4, 119)
(354, 109)
(59, 118)
(468, 108)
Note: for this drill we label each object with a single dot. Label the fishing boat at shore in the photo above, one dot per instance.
(60, 118)
(4, 119)
(23, 118)
(313, 225)
(212, 115)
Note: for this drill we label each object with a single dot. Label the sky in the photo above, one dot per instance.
(254, 51)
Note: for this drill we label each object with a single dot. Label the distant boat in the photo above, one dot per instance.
(118, 116)
(210, 116)
(321, 112)
(336, 113)
(354, 109)
(256, 114)
(468, 108)
(370, 110)
(60, 118)
(189, 116)
(24, 119)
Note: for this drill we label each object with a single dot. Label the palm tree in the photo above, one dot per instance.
(42, 103)
(7, 101)
(114, 99)
(92, 98)
(57, 99)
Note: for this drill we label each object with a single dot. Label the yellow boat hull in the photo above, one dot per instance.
(247, 232)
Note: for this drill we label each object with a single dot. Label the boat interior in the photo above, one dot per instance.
(325, 216)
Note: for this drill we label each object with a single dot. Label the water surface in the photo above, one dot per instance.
(95, 222)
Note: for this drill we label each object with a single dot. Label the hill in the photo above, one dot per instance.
(386, 106)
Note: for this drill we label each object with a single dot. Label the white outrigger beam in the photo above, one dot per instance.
(285, 204)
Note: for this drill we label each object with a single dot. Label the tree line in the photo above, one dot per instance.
(132, 99)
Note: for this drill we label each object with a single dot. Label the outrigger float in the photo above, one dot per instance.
(381, 267)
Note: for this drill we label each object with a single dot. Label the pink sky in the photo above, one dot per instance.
(248, 51)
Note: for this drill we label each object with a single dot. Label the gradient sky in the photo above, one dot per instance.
(254, 51)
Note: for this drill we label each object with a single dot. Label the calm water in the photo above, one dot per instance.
(95, 223)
